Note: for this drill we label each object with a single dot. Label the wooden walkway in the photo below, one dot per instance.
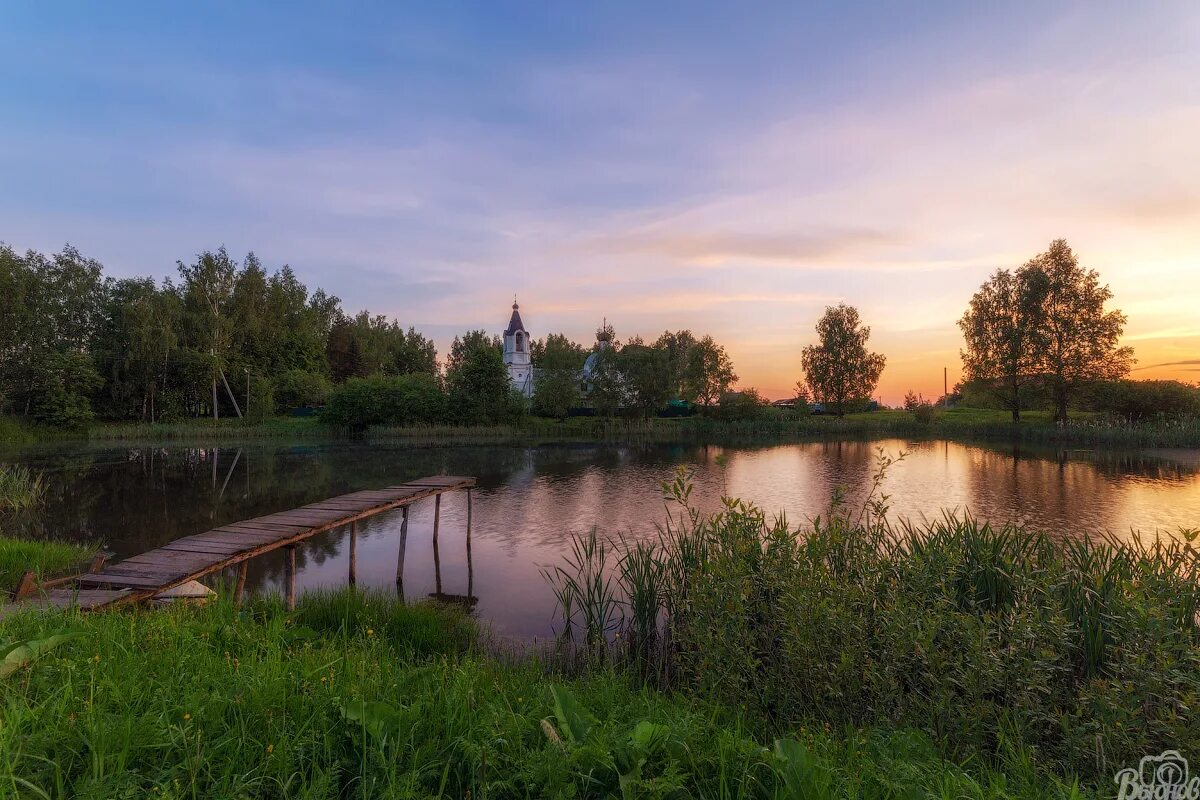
(193, 557)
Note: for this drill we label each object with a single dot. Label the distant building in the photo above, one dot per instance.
(587, 377)
(516, 354)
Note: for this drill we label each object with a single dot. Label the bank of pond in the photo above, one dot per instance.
(735, 656)
(963, 424)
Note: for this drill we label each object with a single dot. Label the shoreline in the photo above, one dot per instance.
(965, 425)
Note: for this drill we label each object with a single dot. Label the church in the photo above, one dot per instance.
(516, 353)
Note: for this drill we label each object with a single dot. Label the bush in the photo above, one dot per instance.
(299, 388)
(746, 404)
(1136, 401)
(359, 403)
(923, 412)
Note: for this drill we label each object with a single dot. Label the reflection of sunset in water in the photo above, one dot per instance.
(531, 500)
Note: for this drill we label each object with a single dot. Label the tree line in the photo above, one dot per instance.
(230, 338)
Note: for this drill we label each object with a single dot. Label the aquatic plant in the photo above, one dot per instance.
(1081, 651)
(20, 488)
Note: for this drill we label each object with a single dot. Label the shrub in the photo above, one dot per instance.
(299, 388)
(1136, 401)
(359, 403)
(746, 404)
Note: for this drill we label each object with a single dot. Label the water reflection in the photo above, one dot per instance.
(529, 501)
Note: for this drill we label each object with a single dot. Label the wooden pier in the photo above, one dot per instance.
(192, 557)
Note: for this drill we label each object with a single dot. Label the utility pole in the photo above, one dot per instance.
(945, 389)
(247, 392)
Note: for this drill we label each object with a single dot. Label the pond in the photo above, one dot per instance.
(531, 500)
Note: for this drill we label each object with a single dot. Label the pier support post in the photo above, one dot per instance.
(241, 583)
(289, 567)
(353, 552)
(403, 545)
(470, 563)
(437, 516)
(437, 569)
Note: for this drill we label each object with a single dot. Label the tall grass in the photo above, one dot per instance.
(360, 696)
(1082, 654)
(20, 488)
(46, 559)
(204, 429)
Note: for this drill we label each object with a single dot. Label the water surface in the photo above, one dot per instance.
(530, 500)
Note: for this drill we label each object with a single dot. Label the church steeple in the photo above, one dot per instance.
(516, 353)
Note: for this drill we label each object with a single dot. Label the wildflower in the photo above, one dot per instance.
(370, 631)
(96, 658)
(186, 716)
(270, 748)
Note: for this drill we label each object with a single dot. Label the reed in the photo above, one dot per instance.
(1081, 651)
(20, 488)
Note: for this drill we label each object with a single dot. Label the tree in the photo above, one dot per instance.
(840, 369)
(477, 380)
(645, 375)
(677, 348)
(1002, 329)
(1077, 342)
(558, 362)
(207, 291)
(50, 312)
(709, 372)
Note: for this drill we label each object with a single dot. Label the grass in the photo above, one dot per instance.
(20, 488)
(46, 559)
(359, 696)
(965, 424)
(1082, 655)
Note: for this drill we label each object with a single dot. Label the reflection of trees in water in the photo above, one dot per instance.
(137, 498)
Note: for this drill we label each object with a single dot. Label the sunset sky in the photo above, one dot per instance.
(730, 168)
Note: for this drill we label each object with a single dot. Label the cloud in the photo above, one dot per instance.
(1169, 364)
(719, 247)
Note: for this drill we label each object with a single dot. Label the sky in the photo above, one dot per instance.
(727, 168)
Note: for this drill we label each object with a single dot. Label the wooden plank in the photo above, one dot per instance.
(263, 524)
(264, 527)
(202, 547)
(442, 482)
(100, 579)
(164, 556)
(245, 538)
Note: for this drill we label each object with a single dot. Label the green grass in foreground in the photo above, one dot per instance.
(359, 696)
(47, 559)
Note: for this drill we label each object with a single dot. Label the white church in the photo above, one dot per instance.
(516, 353)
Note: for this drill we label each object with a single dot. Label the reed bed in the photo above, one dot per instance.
(1080, 653)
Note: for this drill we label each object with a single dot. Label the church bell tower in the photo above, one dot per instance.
(516, 353)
